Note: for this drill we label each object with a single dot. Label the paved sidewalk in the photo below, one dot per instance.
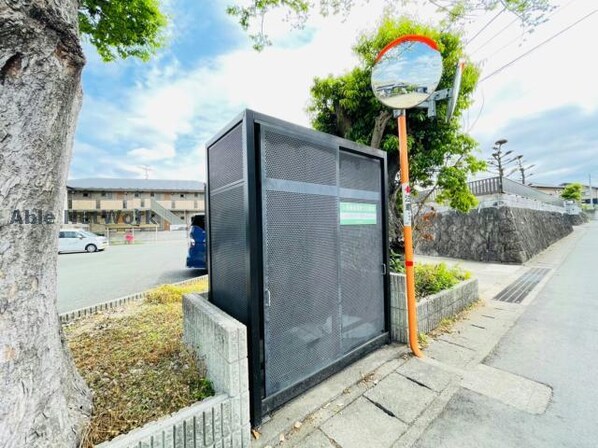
(389, 398)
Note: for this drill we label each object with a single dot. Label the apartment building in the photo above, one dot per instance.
(145, 203)
(556, 190)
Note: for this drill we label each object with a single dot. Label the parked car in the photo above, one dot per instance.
(75, 240)
(196, 258)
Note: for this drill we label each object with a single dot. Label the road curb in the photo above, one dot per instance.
(70, 316)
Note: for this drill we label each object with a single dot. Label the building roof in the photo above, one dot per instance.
(124, 184)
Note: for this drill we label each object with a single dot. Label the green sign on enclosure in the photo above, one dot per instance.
(354, 213)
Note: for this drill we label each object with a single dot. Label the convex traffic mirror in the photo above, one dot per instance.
(406, 72)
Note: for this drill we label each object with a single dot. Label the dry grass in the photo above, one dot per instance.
(447, 324)
(134, 361)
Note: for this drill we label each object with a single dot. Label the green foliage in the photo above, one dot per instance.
(430, 278)
(572, 192)
(123, 28)
(433, 278)
(396, 263)
(424, 340)
(440, 153)
(530, 12)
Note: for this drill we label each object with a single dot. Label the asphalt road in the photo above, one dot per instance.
(87, 279)
(555, 343)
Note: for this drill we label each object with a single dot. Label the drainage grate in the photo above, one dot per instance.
(520, 288)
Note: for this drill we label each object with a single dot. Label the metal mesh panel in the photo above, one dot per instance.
(229, 274)
(361, 246)
(362, 288)
(359, 172)
(293, 159)
(226, 159)
(302, 321)
(228, 238)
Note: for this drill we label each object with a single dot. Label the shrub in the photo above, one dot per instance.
(431, 278)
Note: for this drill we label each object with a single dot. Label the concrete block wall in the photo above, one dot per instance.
(221, 342)
(430, 310)
(199, 425)
(219, 421)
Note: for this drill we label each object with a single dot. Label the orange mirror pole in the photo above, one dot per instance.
(408, 235)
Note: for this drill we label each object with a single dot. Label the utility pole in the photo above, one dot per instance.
(147, 170)
(591, 191)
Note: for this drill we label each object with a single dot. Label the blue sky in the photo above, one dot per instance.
(160, 113)
(410, 63)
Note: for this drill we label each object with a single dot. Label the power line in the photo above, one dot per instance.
(486, 26)
(479, 113)
(538, 46)
(495, 36)
(556, 11)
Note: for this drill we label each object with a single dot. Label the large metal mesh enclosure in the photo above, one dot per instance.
(297, 250)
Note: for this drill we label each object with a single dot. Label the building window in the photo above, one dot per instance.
(136, 195)
(152, 195)
(182, 195)
(196, 195)
(85, 195)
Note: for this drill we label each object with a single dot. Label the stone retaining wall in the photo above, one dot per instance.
(493, 234)
(430, 310)
(219, 421)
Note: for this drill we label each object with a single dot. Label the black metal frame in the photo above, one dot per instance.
(251, 122)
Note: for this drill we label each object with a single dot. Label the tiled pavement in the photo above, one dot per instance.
(389, 398)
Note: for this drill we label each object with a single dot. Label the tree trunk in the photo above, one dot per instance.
(379, 127)
(343, 123)
(43, 400)
(395, 226)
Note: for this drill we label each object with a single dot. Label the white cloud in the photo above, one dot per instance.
(171, 103)
(160, 152)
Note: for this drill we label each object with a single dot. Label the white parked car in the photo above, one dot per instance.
(75, 240)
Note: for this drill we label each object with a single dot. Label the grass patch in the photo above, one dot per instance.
(174, 293)
(431, 278)
(447, 324)
(423, 340)
(136, 364)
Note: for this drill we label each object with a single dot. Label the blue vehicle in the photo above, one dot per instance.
(196, 258)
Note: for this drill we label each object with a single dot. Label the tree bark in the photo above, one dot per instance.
(343, 123)
(379, 127)
(395, 226)
(43, 400)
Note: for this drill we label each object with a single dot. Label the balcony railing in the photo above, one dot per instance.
(492, 185)
(85, 204)
(111, 204)
(133, 204)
